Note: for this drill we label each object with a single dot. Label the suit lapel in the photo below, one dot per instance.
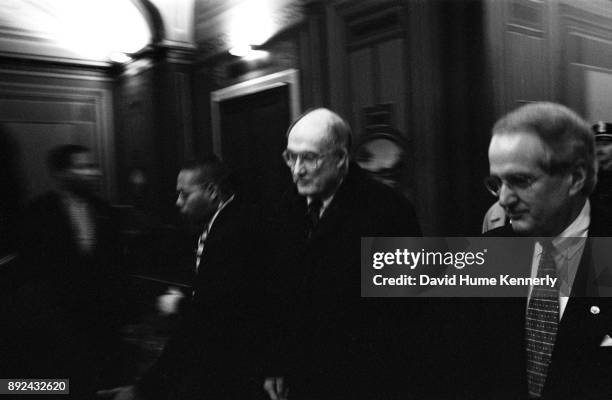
(585, 321)
(217, 235)
(585, 308)
(332, 219)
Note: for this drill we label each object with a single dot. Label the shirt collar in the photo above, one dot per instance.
(327, 201)
(324, 202)
(569, 242)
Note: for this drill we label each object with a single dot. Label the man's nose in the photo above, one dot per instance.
(298, 167)
(179, 201)
(507, 195)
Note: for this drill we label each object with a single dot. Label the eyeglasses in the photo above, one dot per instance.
(519, 182)
(309, 160)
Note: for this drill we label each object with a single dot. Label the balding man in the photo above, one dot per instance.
(337, 345)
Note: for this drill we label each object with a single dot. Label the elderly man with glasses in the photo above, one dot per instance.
(333, 343)
(554, 344)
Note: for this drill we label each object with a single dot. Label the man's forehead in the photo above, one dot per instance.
(191, 177)
(186, 177)
(517, 142)
(310, 132)
(516, 150)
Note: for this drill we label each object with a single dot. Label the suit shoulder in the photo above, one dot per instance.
(381, 194)
(385, 205)
(46, 198)
(45, 205)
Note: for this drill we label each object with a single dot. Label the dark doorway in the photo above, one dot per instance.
(253, 131)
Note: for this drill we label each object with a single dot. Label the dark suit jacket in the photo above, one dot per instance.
(333, 343)
(579, 369)
(212, 352)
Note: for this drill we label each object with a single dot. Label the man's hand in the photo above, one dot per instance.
(168, 303)
(120, 393)
(276, 388)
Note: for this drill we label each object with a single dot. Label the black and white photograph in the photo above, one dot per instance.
(237, 199)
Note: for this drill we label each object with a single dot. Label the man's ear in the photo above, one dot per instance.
(343, 159)
(213, 190)
(578, 178)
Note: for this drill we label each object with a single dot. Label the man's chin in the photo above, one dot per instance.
(304, 190)
(522, 227)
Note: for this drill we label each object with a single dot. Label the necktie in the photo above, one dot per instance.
(541, 324)
(200, 250)
(314, 209)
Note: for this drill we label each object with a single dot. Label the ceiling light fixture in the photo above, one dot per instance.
(248, 52)
(119, 57)
(241, 50)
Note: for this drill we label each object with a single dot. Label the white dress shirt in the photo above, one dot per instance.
(82, 220)
(569, 246)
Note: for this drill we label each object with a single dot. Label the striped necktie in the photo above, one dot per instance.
(541, 324)
(200, 250)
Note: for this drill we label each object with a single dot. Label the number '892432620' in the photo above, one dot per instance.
(33, 385)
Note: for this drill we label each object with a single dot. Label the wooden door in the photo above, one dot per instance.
(253, 129)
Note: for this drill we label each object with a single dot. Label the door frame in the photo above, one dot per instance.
(289, 78)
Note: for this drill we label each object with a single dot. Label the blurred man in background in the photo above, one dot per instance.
(73, 301)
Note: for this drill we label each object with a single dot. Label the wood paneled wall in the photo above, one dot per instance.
(426, 61)
(448, 69)
(556, 50)
(154, 116)
(140, 121)
(42, 106)
(586, 62)
(551, 50)
(222, 70)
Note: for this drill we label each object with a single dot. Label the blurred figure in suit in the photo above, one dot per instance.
(212, 352)
(68, 311)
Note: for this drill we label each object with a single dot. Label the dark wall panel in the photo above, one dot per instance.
(44, 106)
(155, 128)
